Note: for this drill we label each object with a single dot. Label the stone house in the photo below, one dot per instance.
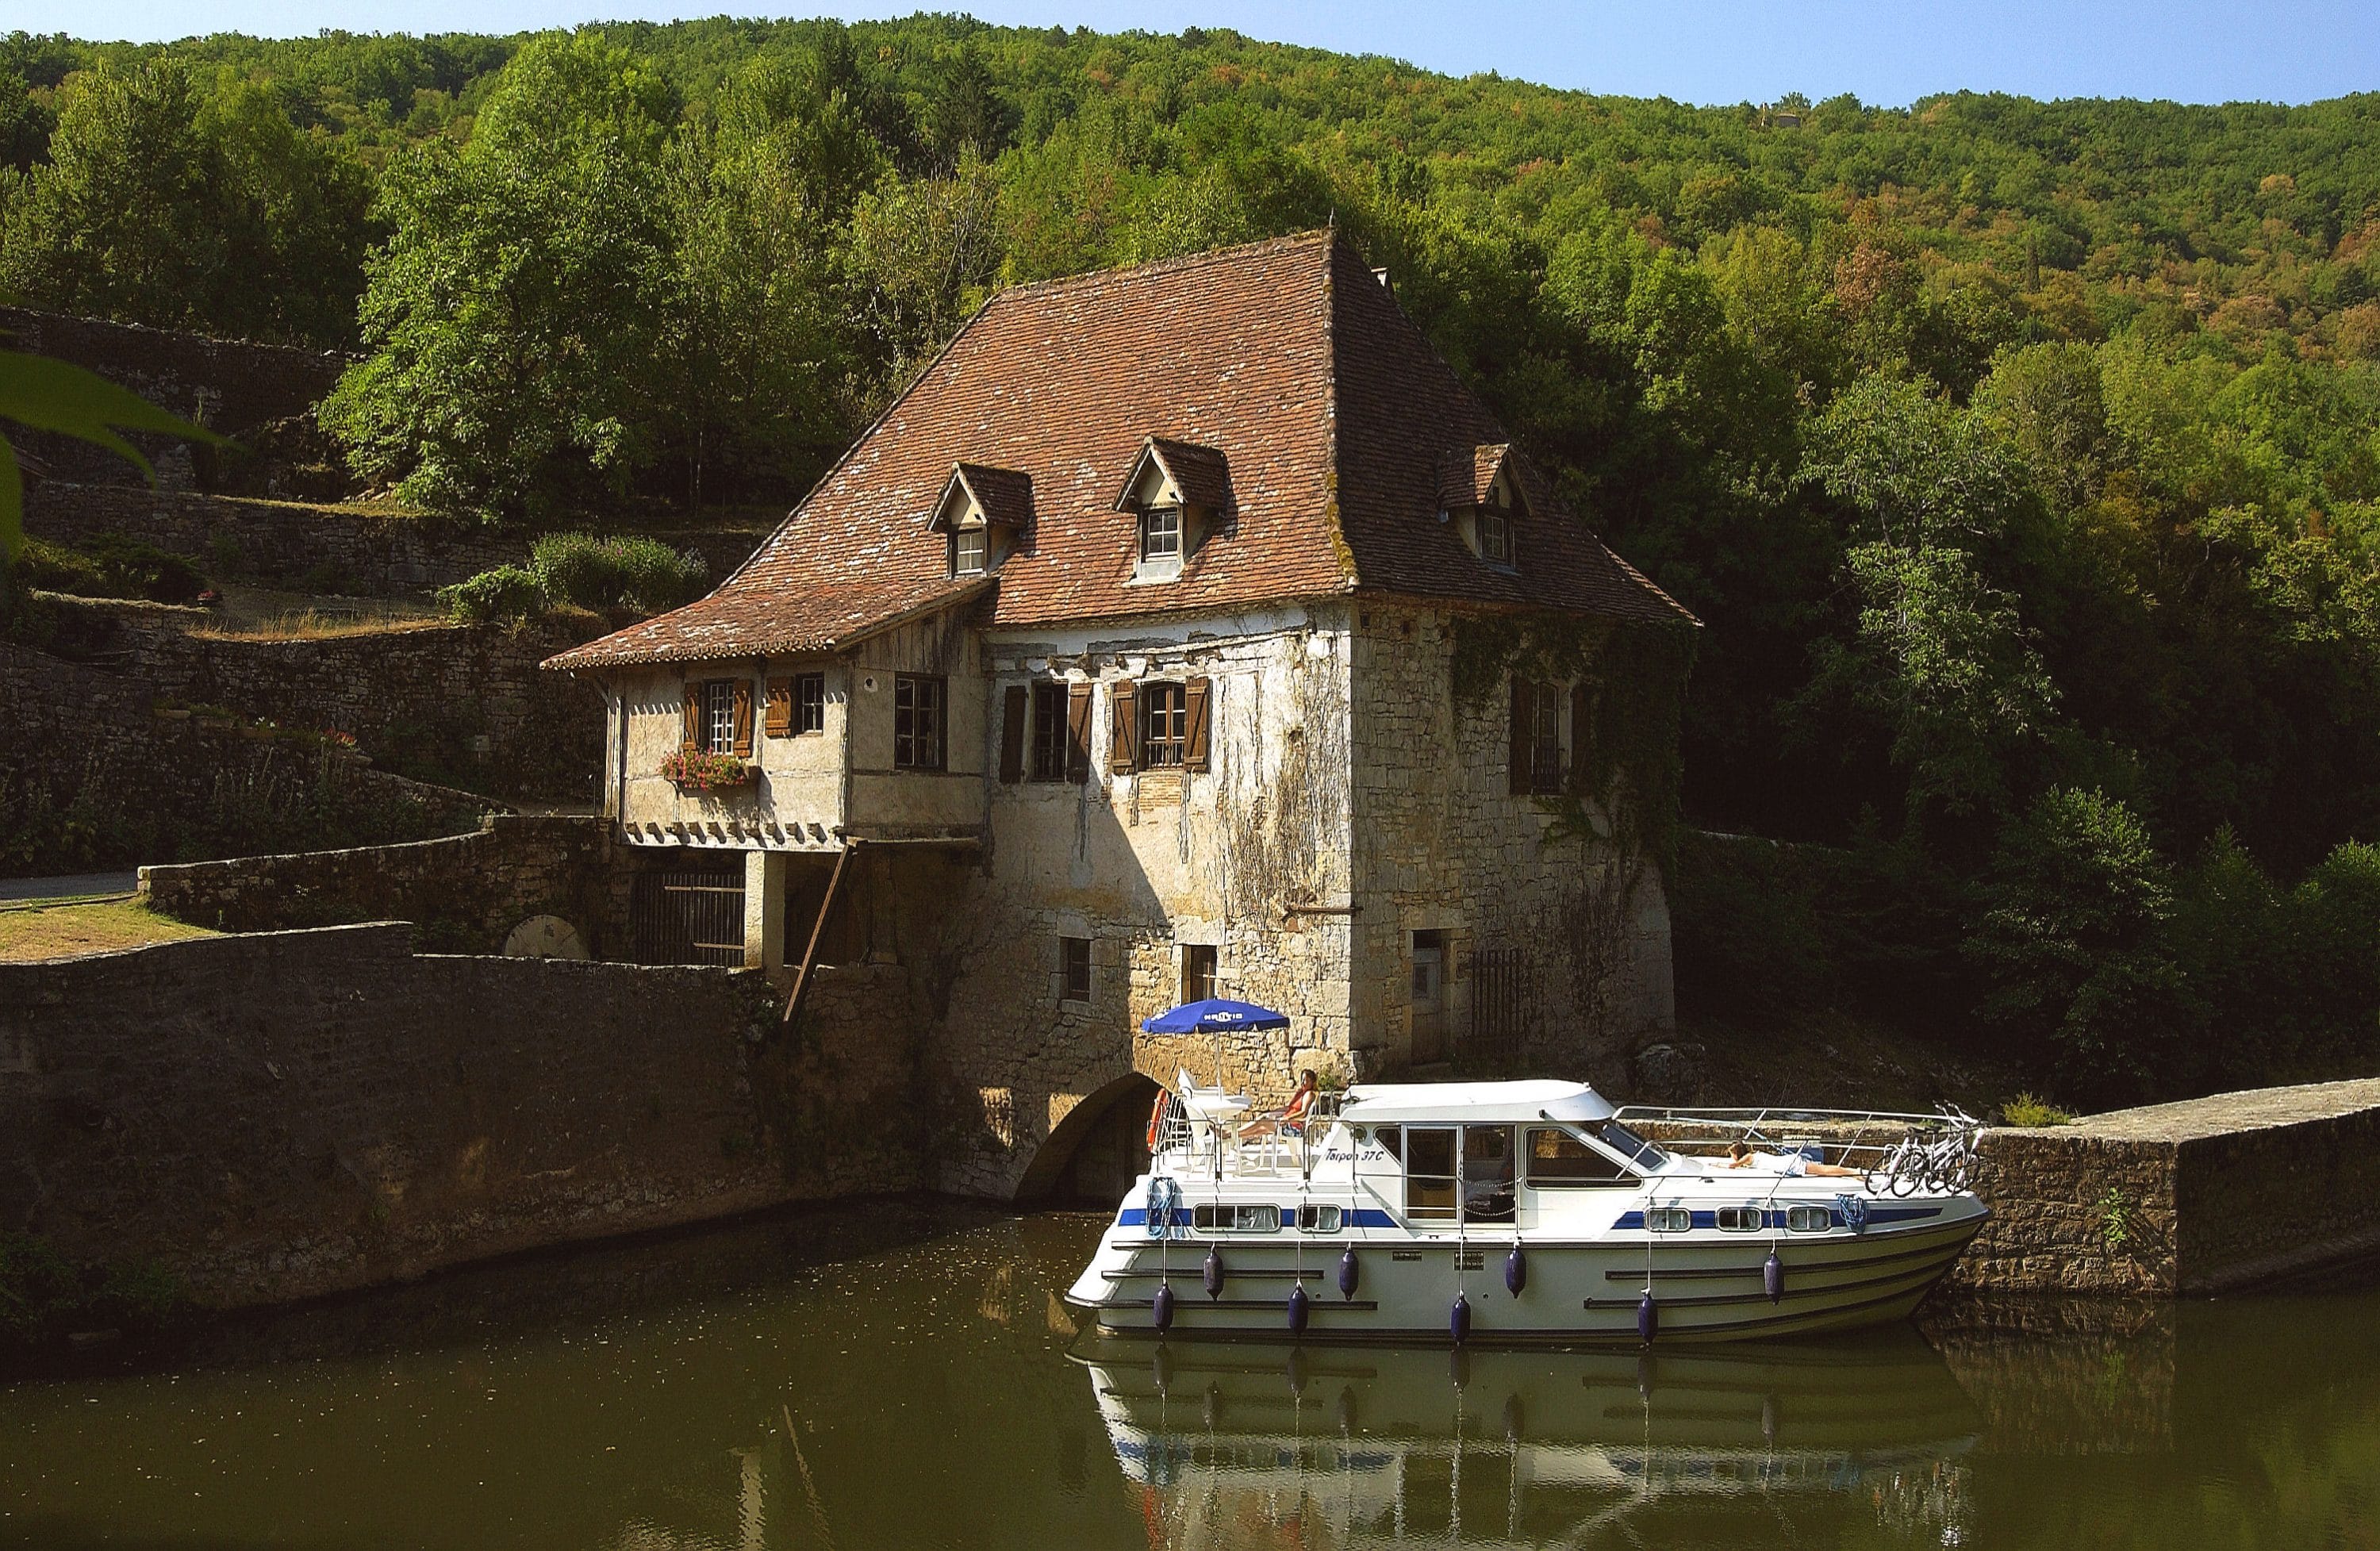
(1181, 630)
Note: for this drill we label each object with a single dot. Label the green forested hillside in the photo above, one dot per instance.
(2021, 458)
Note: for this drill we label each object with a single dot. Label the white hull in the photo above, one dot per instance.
(1617, 1239)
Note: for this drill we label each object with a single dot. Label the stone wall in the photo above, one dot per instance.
(462, 705)
(1443, 845)
(87, 761)
(233, 386)
(354, 551)
(2195, 1197)
(464, 893)
(280, 1116)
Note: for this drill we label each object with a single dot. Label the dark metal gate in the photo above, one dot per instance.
(688, 918)
(1500, 1005)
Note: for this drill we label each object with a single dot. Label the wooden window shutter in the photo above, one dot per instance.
(1524, 704)
(1581, 724)
(744, 718)
(1194, 744)
(1123, 727)
(690, 725)
(1011, 733)
(1078, 732)
(778, 721)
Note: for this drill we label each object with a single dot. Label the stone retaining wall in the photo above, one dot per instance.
(86, 763)
(463, 705)
(464, 893)
(279, 1115)
(348, 549)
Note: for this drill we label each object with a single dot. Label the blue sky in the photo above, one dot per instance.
(1887, 52)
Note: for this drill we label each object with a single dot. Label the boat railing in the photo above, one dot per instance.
(1897, 1152)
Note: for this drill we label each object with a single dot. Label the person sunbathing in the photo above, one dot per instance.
(1794, 1165)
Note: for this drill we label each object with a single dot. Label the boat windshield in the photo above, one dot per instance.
(1630, 1146)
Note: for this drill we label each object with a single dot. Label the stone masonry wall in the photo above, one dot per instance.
(286, 1115)
(2194, 1197)
(228, 385)
(464, 704)
(464, 893)
(1140, 864)
(1441, 844)
(80, 742)
(353, 550)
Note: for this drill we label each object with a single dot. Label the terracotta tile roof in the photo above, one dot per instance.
(1466, 473)
(1283, 369)
(1005, 494)
(732, 623)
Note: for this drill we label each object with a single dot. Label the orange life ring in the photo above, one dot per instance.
(1156, 1119)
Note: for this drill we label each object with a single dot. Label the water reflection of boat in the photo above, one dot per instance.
(1225, 1445)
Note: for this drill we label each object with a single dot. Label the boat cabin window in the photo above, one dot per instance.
(1392, 1140)
(1488, 1173)
(1808, 1219)
(1429, 1171)
(1630, 1146)
(1230, 1218)
(1560, 1161)
(1314, 1219)
(1668, 1219)
(1742, 1220)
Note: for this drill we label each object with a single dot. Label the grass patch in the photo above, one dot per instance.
(56, 931)
(309, 625)
(2025, 1109)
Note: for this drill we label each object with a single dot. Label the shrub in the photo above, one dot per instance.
(2027, 1110)
(113, 566)
(508, 594)
(633, 573)
(641, 573)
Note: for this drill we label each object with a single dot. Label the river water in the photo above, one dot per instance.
(903, 1376)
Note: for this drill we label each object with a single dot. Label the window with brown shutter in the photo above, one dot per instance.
(691, 727)
(1123, 727)
(1078, 732)
(744, 718)
(1049, 760)
(777, 720)
(1015, 704)
(1195, 696)
(1164, 726)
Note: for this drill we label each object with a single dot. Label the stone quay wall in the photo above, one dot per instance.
(462, 704)
(2189, 1198)
(284, 1115)
(464, 893)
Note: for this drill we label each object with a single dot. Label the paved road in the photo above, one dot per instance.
(79, 886)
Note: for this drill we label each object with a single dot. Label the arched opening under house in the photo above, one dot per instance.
(1096, 1152)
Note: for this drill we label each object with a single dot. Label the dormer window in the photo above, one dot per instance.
(971, 552)
(1180, 493)
(983, 515)
(1160, 537)
(1495, 530)
(1479, 494)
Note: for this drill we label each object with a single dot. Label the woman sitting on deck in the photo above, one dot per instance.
(1290, 1118)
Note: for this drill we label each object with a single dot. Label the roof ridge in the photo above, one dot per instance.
(1201, 259)
(1350, 575)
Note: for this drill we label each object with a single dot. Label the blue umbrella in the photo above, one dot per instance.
(1215, 1015)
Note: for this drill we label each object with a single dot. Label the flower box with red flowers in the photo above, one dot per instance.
(707, 772)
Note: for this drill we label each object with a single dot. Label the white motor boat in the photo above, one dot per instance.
(1528, 1212)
